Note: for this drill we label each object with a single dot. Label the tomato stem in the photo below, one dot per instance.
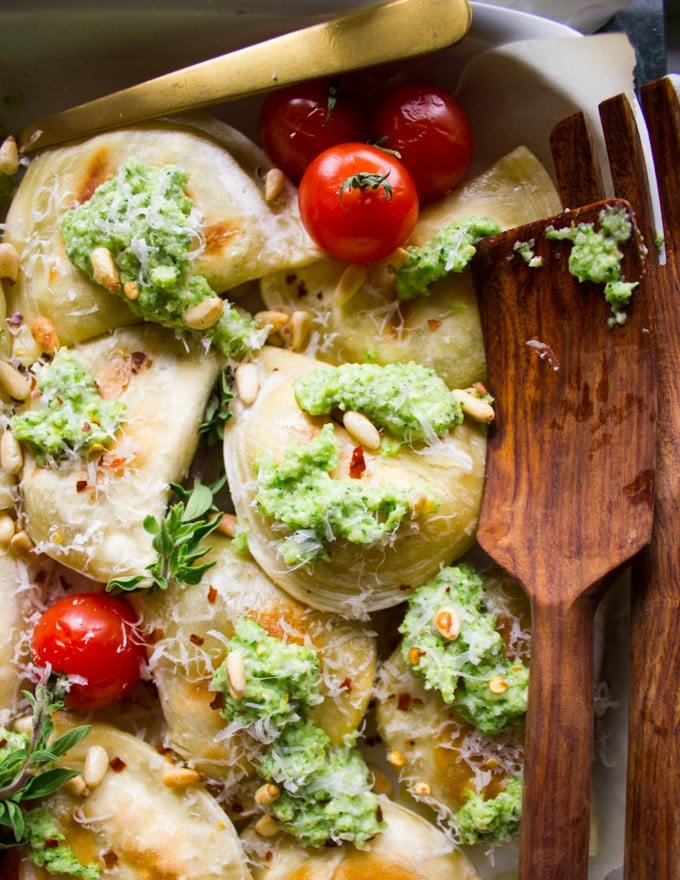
(366, 180)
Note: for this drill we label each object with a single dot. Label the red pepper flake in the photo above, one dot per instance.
(434, 323)
(117, 764)
(212, 594)
(154, 635)
(86, 426)
(195, 639)
(81, 485)
(347, 683)
(404, 702)
(110, 859)
(357, 465)
(139, 359)
(51, 843)
(218, 702)
(115, 464)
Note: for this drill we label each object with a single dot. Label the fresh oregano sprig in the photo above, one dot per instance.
(178, 539)
(27, 767)
(217, 412)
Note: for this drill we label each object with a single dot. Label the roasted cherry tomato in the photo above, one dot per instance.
(299, 122)
(432, 134)
(358, 202)
(94, 637)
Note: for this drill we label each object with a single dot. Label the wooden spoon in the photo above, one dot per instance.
(568, 499)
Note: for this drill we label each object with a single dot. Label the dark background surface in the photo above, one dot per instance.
(654, 30)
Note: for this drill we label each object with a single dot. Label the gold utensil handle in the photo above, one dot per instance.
(368, 36)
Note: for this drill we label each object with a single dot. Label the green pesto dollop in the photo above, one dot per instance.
(46, 848)
(467, 666)
(490, 820)
(300, 494)
(450, 250)
(72, 415)
(282, 679)
(144, 217)
(407, 399)
(596, 256)
(325, 789)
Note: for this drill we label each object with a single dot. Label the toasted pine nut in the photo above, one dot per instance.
(361, 429)
(45, 334)
(6, 529)
(131, 290)
(421, 789)
(498, 685)
(181, 777)
(350, 283)
(17, 385)
(227, 526)
(398, 257)
(492, 763)
(267, 794)
(474, 407)
(236, 674)
(447, 623)
(9, 156)
(274, 181)
(396, 758)
(420, 502)
(9, 262)
(204, 314)
(76, 786)
(11, 456)
(273, 321)
(266, 826)
(300, 327)
(95, 766)
(247, 383)
(104, 269)
(21, 543)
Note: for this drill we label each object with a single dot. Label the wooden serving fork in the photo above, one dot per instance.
(652, 847)
(568, 497)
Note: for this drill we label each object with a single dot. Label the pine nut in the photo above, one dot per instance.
(447, 623)
(95, 766)
(228, 525)
(397, 258)
(21, 544)
(474, 407)
(274, 182)
(45, 334)
(9, 156)
(6, 529)
(267, 794)
(104, 269)
(350, 283)
(361, 429)
(498, 685)
(204, 314)
(76, 786)
(236, 674)
(266, 826)
(421, 789)
(131, 290)
(11, 456)
(9, 262)
(300, 327)
(181, 777)
(17, 385)
(247, 383)
(396, 758)
(272, 321)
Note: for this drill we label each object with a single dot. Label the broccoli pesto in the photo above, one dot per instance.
(450, 250)
(146, 221)
(409, 400)
(45, 847)
(72, 416)
(596, 256)
(300, 494)
(450, 641)
(490, 820)
(321, 792)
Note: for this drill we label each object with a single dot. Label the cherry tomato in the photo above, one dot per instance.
(432, 134)
(358, 202)
(92, 636)
(298, 122)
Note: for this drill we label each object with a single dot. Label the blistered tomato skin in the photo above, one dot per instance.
(358, 202)
(432, 134)
(299, 122)
(94, 637)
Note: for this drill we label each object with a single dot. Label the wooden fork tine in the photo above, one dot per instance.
(653, 795)
(579, 178)
(627, 162)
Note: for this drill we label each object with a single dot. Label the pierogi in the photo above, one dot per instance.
(353, 579)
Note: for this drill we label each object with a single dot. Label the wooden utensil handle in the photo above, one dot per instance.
(559, 739)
